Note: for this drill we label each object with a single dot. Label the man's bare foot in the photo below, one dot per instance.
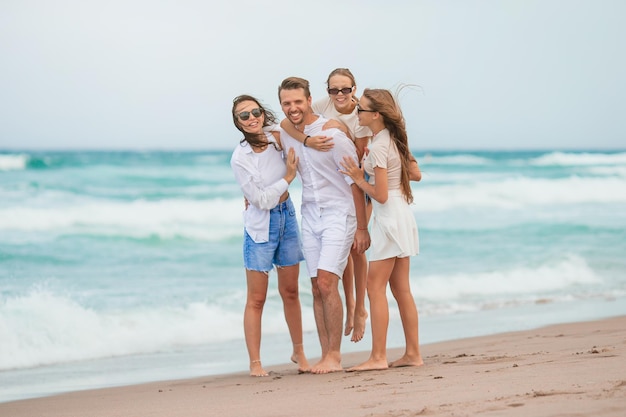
(407, 361)
(300, 360)
(370, 365)
(326, 366)
(256, 369)
(359, 326)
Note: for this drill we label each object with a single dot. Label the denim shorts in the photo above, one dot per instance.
(283, 248)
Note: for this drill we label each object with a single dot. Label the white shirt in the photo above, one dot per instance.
(322, 183)
(260, 177)
(326, 108)
(384, 154)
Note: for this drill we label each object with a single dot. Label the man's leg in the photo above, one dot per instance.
(332, 321)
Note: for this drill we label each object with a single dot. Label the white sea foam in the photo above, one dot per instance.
(565, 159)
(13, 162)
(521, 192)
(463, 292)
(194, 219)
(607, 171)
(429, 159)
(43, 328)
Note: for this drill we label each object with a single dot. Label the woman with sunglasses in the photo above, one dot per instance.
(393, 229)
(271, 237)
(340, 106)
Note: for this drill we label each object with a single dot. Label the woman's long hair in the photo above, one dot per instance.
(384, 103)
(254, 139)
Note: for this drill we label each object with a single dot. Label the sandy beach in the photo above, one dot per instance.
(573, 369)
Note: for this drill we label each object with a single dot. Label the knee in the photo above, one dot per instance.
(255, 302)
(289, 292)
(325, 287)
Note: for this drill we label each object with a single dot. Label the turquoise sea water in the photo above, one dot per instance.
(123, 267)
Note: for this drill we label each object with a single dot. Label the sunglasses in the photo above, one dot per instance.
(245, 115)
(335, 91)
(359, 110)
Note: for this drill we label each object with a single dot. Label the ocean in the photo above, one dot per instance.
(126, 267)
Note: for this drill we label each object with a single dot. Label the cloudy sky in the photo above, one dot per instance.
(161, 74)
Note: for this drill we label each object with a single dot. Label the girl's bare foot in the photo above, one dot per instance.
(256, 369)
(359, 326)
(300, 359)
(349, 322)
(407, 361)
(370, 365)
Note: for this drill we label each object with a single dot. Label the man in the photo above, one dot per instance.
(333, 215)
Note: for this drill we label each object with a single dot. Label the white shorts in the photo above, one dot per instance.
(327, 236)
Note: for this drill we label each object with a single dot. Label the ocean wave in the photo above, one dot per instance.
(578, 158)
(456, 160)
(607, 171)
(521, 192)
(42, 328)
(13, 162)
(220, 219)
(555, 276)
(211, 220)
(567, 279)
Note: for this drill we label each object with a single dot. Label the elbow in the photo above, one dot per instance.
(265, 205)
(382, 200)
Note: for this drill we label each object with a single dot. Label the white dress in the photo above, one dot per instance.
(394, 230)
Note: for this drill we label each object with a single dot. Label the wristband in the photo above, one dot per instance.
(305, 139)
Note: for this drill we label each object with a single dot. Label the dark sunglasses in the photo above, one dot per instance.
(359, 110)
(335, 91)
(245, 115)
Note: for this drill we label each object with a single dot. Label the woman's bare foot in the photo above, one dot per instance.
(370, 365)
(326, 366)
(359, 326)
(256, 369)
(300, 359)
(407, 361)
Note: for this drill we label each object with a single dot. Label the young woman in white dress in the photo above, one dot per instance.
(393, 228)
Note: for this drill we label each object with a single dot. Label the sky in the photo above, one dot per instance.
(160, 74)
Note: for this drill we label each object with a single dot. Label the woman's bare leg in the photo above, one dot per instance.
(288, 289)
(257, 292)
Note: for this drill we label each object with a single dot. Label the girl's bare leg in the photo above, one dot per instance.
(377, 279)
(348, 288)
(401, 289)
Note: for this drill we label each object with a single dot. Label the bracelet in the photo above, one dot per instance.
(361, 228)
(304, 143)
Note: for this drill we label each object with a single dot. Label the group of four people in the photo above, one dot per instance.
(317, 142)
